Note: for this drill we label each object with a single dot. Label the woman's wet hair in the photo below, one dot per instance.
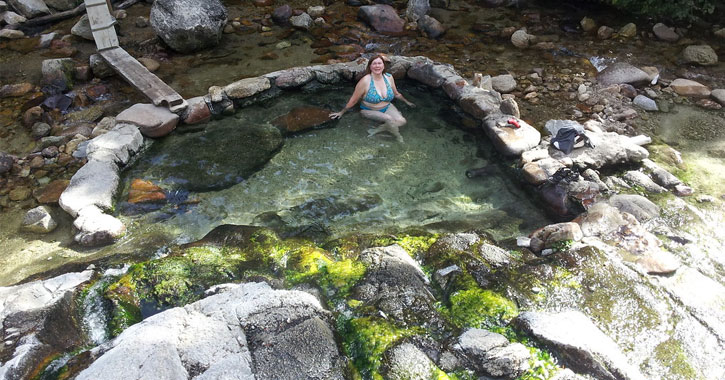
(383, 58)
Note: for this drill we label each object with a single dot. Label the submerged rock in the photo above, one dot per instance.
(302, 118)
(188, 25)
(579, 343)
(218, 157)
(39, 220)
(382, 17)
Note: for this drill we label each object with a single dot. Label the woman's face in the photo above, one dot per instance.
(377, 66)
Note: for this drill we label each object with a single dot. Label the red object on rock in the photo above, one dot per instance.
(513, 123)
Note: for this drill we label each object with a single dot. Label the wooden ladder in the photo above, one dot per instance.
(136, 74)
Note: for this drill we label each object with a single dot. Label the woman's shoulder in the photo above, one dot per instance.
(389, 75)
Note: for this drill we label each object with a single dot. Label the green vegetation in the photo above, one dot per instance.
(670, 354)
(413, 244)
(479, 308)
(685, 10)
(542, 365)
(366, 339)
(562, 245)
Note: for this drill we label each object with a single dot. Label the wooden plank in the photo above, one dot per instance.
(138, 76)
(101, 24)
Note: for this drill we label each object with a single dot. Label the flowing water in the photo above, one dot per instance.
(333, 181)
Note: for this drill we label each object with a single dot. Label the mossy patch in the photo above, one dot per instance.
(366, 339)
(479, 308)
(671, 355)
(542, 365)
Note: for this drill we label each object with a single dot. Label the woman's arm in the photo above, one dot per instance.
(398, 95)
(354, 98)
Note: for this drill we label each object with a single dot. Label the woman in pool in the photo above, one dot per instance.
(377, 90)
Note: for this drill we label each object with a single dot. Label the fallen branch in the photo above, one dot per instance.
(126, 4)
(54, 17)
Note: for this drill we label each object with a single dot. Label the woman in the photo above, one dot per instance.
(377, 90)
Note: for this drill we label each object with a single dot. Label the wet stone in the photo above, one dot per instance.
(302, 118)
(39, 220)
(50, 193)
(19, 194)
(151, 120)
(382, 18)
(14, 90)
(6, 162)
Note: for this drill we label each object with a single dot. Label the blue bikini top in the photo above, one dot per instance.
(373, 97)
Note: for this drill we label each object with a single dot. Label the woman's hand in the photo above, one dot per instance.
(410, 104)
(336, 115)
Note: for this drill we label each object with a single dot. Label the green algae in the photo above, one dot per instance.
(542, 365)
(412, 244)
(479, 308)
(366, 339)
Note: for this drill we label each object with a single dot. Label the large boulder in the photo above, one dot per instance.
(245, 332)
(117, 145)
(620, 73)
(580, 344)
(396, 285)
(611, 150)
(700, 54)
(382, 17)
(188, 25)
(37, 321)
(94, 184)
(417, 9)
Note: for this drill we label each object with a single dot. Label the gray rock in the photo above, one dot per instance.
(151, 120)
(700, 54)
(521, 39)
(99, 66)
(491, 354)
(444, 276)
(431, 74)
(459, 241)
(316, 11)
(720, 33)
(58, 72)
(82, 28)
(6, 162)
(432, 27)
(62, 5)
(605, 32)
(494, 256)
(39, 220)
(12, 18)
(188, 25)
(601, 219)
(503, 83)
(303, 21)
(510, 107)
(281, 14)
(30, 316)
(637, 178)
(46, 39)
(549, 236)
(3, 6)
(40, 130)
(407, 362)
(382, 17)
(665, 33)
(621, 72)
(611, 149)
(640, 207)
(553, 126)
(417, 9)
(719, 95)
(580, 344)
(645, 103)
(628, 31)
(11, 34)
(510, 141)
(588, 24)
(94, 184)
(246, 87)
(30, 8)
(117, 145)
(291, 78)
(326, 74)
(248, 331)
(396, 285)
(661, 176)
(96, 228)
